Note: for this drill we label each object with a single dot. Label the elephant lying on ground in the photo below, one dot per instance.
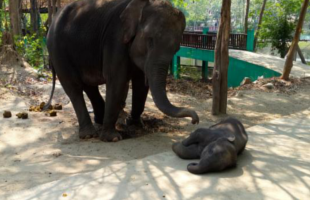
(217, 146)
(95, 42)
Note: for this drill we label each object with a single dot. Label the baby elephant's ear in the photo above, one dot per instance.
(231, 138)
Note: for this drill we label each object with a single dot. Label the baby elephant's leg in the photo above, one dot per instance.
(186, 152)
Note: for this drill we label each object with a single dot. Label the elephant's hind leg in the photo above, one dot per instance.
(186, 152)
(75, 93)
(96, 101)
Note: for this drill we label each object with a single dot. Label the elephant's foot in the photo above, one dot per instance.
(134, 122)
(110, 136)
(88, 132)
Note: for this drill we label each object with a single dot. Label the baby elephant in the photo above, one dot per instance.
(217, 146)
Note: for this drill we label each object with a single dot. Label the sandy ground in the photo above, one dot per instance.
(43, 149)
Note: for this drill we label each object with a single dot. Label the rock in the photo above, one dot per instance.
(42, 79)
(246, 81)
(22, 115)
(260, 77)
(58, 106)
(269, 86)
(239, 94)
(7, 114)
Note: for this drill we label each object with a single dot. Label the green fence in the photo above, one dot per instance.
(237, 70)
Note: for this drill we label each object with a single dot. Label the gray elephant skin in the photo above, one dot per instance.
(113, 42)
(217, 147)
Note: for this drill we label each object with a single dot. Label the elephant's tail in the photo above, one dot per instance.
(53, 88)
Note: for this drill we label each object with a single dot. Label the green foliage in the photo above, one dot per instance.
(190, 72)
(31, 47)
(279, 22)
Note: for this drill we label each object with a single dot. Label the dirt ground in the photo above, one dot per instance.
(43, 149)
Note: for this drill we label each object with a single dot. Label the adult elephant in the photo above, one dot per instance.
(94, 42)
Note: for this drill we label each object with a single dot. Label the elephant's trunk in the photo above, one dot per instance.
(157, 73)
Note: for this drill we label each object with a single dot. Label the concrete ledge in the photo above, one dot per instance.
(275, 165)
(275, 63)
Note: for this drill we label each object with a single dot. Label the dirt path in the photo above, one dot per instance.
(42, 149)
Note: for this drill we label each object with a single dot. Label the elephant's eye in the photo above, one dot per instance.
(150, 42)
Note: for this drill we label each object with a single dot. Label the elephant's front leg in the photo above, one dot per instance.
(139, 95)
(115, 98)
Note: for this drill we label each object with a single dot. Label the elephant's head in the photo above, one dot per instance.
(153, 30)
(217, 156)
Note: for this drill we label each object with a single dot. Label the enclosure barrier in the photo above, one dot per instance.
(207, 41)
(200, 46)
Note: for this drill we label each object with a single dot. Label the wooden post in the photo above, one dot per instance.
(290, 56)
(220, 72)
(204, 70)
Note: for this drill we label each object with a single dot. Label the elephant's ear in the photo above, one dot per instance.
(130, 18)
(231, 138)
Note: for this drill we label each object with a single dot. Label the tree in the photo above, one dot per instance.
(53, 6)
(220, 72)
(289, 60)
(15, 17)
(59, 4)
(246, 16)
(280, 20)
(1, 6)
(50, 12)
(259, 22)
(34, 16)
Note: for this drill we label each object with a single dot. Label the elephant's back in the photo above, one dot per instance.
(79, 28)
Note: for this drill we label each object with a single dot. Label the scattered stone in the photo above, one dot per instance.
(42, 79)
(58, 106)
(260, 77)
(22, 115)
(269, 86)
(239, 94)
(246, 81)
(7, 114)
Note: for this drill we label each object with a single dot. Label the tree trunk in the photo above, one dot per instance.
(259, 23)
(50, 12)
(246, 16)
(290, 56)
(58, 4)
(301, 56)
(1, 6)
(15, 17)
(54, 2)
(220, 72)
(34, 16)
